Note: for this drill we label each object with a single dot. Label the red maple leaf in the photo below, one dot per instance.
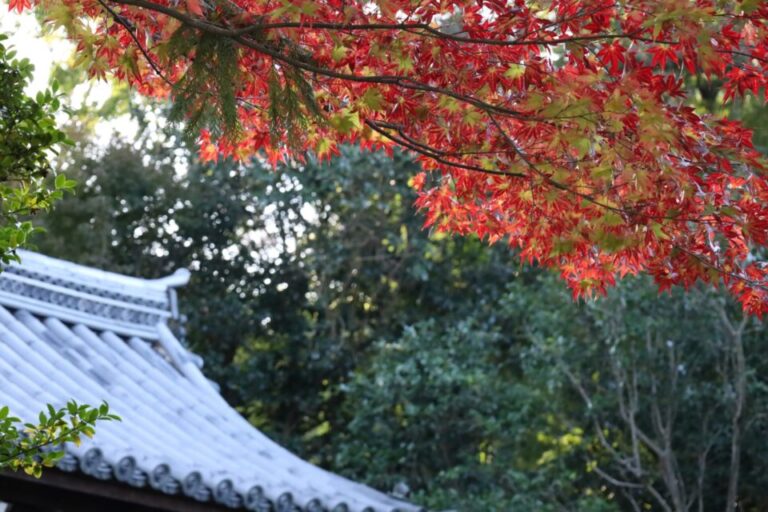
(19, 5)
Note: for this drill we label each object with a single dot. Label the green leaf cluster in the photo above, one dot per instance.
(30, 447)
(28, 138)
(206, 95)
(209, 93)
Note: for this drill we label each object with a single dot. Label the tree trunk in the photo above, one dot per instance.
(740, 385)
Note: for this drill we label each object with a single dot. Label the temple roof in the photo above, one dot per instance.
(74, 332)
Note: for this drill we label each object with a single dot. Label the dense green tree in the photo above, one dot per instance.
(28, 135)
(443, 409)
(295, 274)
(668, 385)
(635, 402)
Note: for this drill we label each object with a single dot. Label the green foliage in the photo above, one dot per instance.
(661, 366)
(33, 446)
(294, 277)
(28, 138)
(28, 135)
(290, 96)
(501, 412)
(443, 409)
(206, 94)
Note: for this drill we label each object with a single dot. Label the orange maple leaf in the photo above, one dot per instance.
(193, 6)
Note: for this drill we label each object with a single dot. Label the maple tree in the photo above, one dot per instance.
(562, 126)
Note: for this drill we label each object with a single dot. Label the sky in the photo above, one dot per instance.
(27, 40)
(45, 51)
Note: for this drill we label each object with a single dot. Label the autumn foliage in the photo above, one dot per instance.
(564, 127)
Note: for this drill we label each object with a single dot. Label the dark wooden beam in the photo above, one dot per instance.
(75, 492)
(25, 508)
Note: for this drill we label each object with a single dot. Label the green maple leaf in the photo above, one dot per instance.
(345, 121)
(372, 98)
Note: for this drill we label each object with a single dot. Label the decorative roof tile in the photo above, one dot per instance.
(73, 332)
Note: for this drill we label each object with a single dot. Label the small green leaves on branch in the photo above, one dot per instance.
(31, 447)
(28, 137)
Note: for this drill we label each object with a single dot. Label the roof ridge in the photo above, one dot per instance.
(97, 298)
(78, 272)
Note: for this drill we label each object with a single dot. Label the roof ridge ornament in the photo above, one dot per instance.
(179, 278)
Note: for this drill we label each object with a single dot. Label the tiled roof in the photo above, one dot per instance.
(73, 332)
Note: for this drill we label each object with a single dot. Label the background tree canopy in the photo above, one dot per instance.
(415, 361)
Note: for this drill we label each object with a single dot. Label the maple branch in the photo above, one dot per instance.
(429, 30)
(129, 28)
(405, 136)
(743, 54)
(738, 277)
(396, 80)
(430, 152)
(519, 152)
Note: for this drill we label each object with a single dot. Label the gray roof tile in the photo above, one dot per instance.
(73, 332)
